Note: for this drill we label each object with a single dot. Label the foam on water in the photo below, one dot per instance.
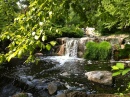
(62, 59)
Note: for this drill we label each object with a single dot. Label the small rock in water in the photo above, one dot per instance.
(52, 88)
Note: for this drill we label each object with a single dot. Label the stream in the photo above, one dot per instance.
(33, 78)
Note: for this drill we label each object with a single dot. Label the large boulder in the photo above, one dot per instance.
(102, 77)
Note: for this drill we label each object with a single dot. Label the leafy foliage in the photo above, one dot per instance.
(29, 29)
(36, 27)
(119, 68)
(113, 14)
(8, 10)
(104, 15)
(72, 31)
(98, 51)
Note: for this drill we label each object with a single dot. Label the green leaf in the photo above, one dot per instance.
(120, 65)
(125, 71)
(53, 43)
(48, 46)
(38, 43)
(116, 73)
(44, 38)
(11, 56)
(20, 53)
(39, 13)
(43, 46)
(115, 68)
(1, 58)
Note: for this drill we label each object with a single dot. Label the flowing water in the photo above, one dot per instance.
(71, 48)
(68, 71)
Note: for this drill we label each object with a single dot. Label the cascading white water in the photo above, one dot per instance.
(71, 48)
(112, 52)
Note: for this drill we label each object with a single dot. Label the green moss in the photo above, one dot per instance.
(98, 51)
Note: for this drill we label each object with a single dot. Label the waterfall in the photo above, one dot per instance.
(71, 48)
(112, 53)
(70, 56)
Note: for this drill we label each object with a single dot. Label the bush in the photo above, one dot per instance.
(72, 31)
(67, 31)
(98, 51)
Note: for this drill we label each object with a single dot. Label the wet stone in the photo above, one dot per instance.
(52, 87)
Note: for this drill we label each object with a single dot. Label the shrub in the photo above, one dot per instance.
(72, 31)
(98, 51)
(67, 31)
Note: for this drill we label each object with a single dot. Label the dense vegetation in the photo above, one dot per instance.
(124, 53)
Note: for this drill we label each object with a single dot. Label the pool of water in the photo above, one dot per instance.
(70, 73)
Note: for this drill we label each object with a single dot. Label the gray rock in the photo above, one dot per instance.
(29, 83)
(36, 82)
(23, 78)
(102, 77)
(52, 88)
(30, 78)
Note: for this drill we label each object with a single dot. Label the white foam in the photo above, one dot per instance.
(62, 59)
